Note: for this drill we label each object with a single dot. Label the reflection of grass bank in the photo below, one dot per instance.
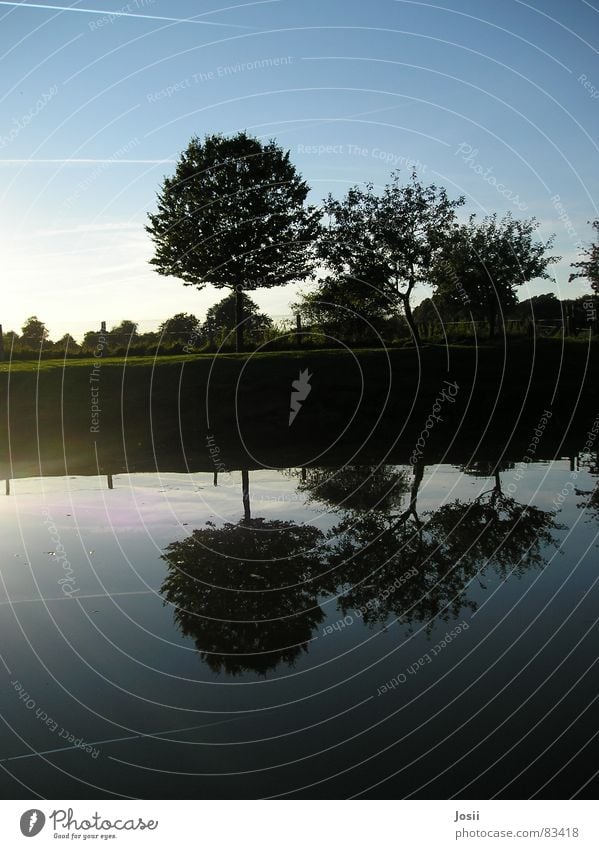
(164, 408)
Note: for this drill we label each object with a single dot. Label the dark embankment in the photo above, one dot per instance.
(233, 411)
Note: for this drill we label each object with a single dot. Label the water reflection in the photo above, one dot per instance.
(355, 487)
(589, 498)
(249, 593)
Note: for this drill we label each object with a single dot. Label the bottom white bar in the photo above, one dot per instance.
(302, 824)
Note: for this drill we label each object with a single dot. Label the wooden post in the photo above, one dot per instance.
(1, 344)
(568, 321)
(245, 494)
(110, 483)
(298, 330)
(215, 479)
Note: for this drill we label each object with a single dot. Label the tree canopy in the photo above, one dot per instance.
(34, 332)
(180, 327)
(234, 215)
(484, 262)
(389, 240)
(588, 267)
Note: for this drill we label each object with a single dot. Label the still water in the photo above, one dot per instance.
(374, 631)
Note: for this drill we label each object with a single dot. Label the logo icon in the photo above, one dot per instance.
(32, 822)
(300, 389)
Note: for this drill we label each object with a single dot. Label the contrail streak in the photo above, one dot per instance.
(116, 14)
(88, 161)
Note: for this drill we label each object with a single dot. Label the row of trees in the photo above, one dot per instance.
(183, 330)
(235, 215)
(185, 333)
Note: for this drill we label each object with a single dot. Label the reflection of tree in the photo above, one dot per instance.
(245, 492)
(494, 530)
(590, 497)
(355, 487)
(394, 571)
(246, 592)
(418, 568)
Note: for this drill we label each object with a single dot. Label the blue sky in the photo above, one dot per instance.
(497, 100)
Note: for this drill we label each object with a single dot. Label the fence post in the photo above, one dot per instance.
(1, 344)
(298, 330)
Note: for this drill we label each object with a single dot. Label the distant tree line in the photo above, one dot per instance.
(183, 333)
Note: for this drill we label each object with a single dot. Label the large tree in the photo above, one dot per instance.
(484, 262)
(234, 215)
(390, 240)
(589, 266)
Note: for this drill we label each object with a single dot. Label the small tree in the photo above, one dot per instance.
(123, 334)
(180, 328)
(67, 345)
(589, 267)
(33, 333)
(10, 340)
(234, 215)
(346, 308)
(483, 263)
(546, 306)
(389, 240)
(222, 317)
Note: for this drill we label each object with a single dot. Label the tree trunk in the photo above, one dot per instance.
(411, 323)
(418, 475)
(238, 318)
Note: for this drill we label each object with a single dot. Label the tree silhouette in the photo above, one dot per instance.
(247, 593)
(355, 487)
(347, 308)
(484, 262)
(123, 334)
(234, 216)
(389, 240)
(391, 562)
(588, 267)
(180, 328)
(33, 332)
(221, 319)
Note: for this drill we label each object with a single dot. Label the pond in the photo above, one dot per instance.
(375, 631)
